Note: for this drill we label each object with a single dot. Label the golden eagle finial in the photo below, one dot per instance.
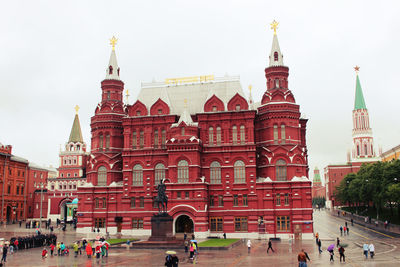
(113, 42)
(274, 26)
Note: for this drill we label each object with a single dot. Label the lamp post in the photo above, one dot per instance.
(41, 204)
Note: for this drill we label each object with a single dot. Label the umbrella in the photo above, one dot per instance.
(194, 241)
(170, 252)
(331, 247)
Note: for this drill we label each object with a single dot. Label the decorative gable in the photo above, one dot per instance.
(137, 109)
(237, 102)
(159, 108)
(214, 104)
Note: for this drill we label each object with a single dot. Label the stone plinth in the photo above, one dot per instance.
(161, 227)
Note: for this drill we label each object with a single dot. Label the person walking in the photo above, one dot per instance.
(76, 249)
(345, 224)
(4, 257)
(59, 249)
(52, 249)
(337, 242)
(371, 248)
(341, 253)
(341, 230)
(270, 246)
(365, 249)
(191, 250)
(302, 259)
(89, 250)
(352, 222)
(316, 238)
(319, 246)
(186, 245)
(248, 246)
(331, 256)
(347, 229)
(344, 230)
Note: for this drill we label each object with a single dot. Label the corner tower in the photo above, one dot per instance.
(280, 132)
(363, 141)
(105, 163)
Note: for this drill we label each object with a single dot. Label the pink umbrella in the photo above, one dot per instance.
(331, 247)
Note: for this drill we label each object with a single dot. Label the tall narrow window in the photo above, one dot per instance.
(101, 142)
(211, 136)
(278, 199)
(276, 83)
(163, 138)
(141, 139)
(286, 199)
(96, 203)
(239, 172)
(133, 202)
(183, 131)
(134, 140)
(276, 56)
(358, 150)
(242, 134)
(283, 134)
(183, 171)
(235, 200)
(107, 141)
(215, 172)
(281, 170)
(108, 95)
(220, 201)
(141, 202)
(365, 149)
(156, 139)
(102, 176)
(160, 173)
(218, 136)
(137, 178)
(104, 203)
(275, 134)
(245, 202)
(211, 201)
(234, 135)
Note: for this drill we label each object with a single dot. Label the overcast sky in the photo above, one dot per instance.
(54, 55)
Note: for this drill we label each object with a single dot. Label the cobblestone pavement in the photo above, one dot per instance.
(387, 251)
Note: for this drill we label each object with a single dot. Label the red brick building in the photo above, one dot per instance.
(37, 187)
(362, 152)
(229, 165)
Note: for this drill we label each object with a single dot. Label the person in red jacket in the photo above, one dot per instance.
(44, 253)
(52, 249)
(89, 250)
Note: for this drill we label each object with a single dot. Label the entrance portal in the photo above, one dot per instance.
(8, 216)
(184, 224)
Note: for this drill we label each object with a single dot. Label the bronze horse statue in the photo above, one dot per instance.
(161, 199)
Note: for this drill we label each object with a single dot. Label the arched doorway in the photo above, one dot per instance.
(9, 214)
(64, 209)
(184, 224)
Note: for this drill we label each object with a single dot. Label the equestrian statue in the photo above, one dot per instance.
(161, 199)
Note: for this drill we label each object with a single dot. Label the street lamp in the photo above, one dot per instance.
(41, 204)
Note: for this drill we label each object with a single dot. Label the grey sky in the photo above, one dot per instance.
(54, 55)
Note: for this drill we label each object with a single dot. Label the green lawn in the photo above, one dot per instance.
(113, 241)
(217, 242)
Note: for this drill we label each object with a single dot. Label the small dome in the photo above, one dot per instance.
(75, 201)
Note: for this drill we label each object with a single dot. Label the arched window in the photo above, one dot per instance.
(183, 131)
(159, 173)
(275, 133)
(215, 172)
(137, 178)
(107, 141)
(276, 83)
(183, 172)
(358, 150)
(211, 136)
(276, 56)
(239, 172)
(283, 133)
(102, 176)
(365, 149)
(141, 139)
(242, 134)
(281, 170)
(218, 136)
(156, 139)
(101, 142)
(110, 69)
(163, 138)
(234, 135)
(134, 140)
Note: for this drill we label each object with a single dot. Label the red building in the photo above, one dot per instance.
(37, 188)
(362, 152)
(62, 190)
(229, 167)
(318, 190)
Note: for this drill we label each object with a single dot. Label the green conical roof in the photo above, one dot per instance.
(359, 102)
(76, 133)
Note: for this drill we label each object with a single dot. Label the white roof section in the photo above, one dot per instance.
(275, 48)
(196, 93)
(186, 118)
(19, 159)
(113, 63)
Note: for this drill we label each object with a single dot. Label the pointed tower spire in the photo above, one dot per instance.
(275, 57)
(359, 102)
(76, 133)
(251, 102)
(112, 72)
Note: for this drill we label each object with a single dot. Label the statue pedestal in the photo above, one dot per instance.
(162, 227)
